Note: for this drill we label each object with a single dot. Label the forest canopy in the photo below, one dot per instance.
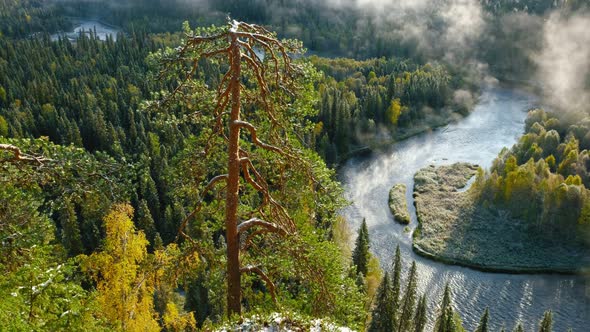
(113, 212)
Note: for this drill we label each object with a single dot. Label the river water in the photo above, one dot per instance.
(496, 122)
(102, 30)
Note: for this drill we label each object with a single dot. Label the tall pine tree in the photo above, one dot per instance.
(447, 320)
(382, 315)
(396, 283)
(518, 328)
(546, 324)
(420, 318)
(408, 302)
(483, 322)
(361, 255)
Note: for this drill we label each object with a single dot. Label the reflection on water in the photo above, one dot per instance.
(496, 122)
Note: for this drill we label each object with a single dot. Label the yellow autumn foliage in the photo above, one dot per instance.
(125, 288)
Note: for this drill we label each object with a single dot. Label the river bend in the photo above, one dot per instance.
(496, 122)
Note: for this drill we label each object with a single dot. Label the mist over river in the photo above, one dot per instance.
(496, 122)
(88, 26)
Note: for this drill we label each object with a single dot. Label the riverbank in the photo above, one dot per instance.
(455, 229)
(427, 125)
(398, 204)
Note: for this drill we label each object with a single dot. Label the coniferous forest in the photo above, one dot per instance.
(190, 170)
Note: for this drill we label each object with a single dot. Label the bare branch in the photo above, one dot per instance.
(269, 284)
(195, 40)
(247, 243)
(215, 53)
(246, 164)
(272, 227)
(20, 156)
(209, 186)
(255, 140)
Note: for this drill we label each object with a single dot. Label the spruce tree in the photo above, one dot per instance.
(547, 322)
(518, 328)
(450, 322)
(483, 322)
(445, 316)
(145, 222)
(360, 255)
(70, 230)
(420, 317)
(382, 315)
(396, 283)
(408, 302)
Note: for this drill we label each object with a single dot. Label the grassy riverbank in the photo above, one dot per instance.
(454, 228)
(398, 204)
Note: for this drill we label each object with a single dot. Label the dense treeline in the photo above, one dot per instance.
(510, 32)
(76, 111)
(41, 286)
(365, 102)
(342, 30)
(86, 95)
(21, 18)
(544, 178)
(349, 30)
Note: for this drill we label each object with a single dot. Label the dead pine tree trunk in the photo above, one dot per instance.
(236, 45)
(234, 291)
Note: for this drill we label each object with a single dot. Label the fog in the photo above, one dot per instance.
(548, 48)
(564, 61)
(556, 43)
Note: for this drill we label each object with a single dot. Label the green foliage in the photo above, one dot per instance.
(3, 126)
(483, 322)
(396, 278)
(73, 183)
(518, 328)
(383, 314)
(408, 302)
(546, 324)
(448, 320)
(42, 286)
(39, 286)
(421, 312)
(361, 254)
(387, 316)
(87, 95)
(20, 18)
(360, 98)
(388, 313)
(543, 179)
(309, 274)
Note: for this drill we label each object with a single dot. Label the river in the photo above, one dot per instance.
(81, 25)
(496, 122)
